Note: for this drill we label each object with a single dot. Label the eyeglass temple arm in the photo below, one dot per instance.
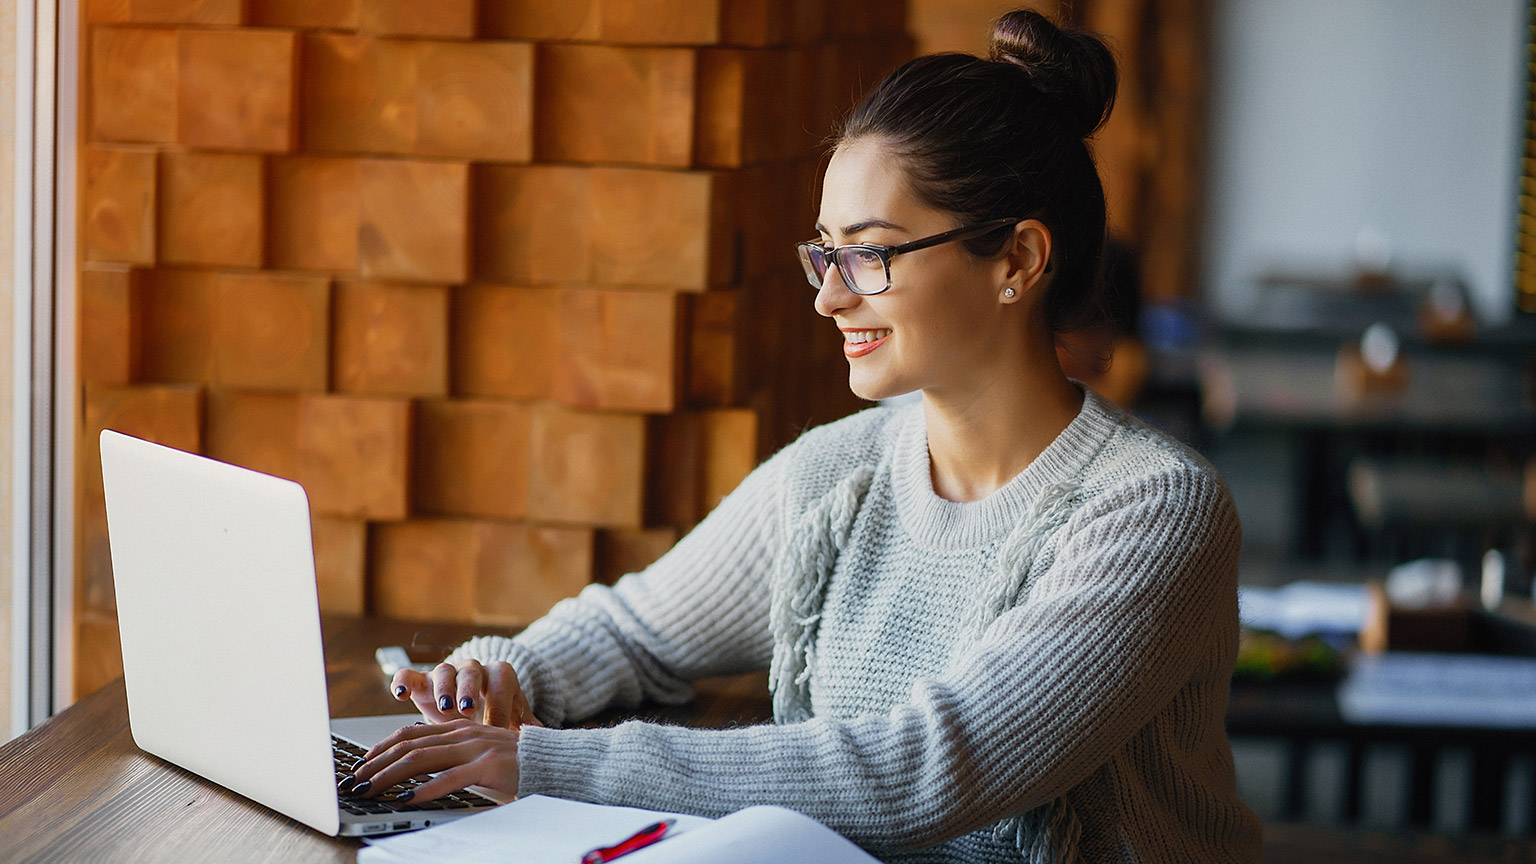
(957, 234)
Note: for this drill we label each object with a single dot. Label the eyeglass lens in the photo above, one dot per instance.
(862, 268)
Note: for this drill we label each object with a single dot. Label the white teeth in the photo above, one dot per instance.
(858, 337)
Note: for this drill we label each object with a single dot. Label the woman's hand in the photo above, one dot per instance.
(489, 694)
(464, 752)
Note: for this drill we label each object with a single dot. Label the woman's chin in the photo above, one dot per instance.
(872, 390)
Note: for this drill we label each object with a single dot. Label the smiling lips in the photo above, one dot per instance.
(857, 343)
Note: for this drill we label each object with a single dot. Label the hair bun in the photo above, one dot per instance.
(1073, 68)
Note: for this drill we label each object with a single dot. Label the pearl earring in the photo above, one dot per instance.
(1008, 293)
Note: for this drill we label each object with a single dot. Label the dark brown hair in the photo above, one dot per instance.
(1003, 137)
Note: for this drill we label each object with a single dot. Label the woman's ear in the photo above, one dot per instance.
(1028, 262)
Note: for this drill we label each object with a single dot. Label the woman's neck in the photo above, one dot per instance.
(981, 438)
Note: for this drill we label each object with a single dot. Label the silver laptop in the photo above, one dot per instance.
(222, 655)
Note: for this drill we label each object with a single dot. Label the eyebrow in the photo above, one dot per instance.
(862, 226)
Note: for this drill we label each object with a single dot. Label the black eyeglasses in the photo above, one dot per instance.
(865, 267)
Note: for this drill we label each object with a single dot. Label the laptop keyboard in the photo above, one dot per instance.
(347, 758)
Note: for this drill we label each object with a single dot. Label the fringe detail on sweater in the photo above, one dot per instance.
(1048, 834)
(799, 589)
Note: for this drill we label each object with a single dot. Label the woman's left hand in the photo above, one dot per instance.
(460, 752)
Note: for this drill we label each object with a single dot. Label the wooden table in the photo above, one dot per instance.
(77, 789)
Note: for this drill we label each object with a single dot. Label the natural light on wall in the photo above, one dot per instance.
(7, 321)
(1392, 125)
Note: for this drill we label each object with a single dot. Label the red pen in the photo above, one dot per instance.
(639, 840)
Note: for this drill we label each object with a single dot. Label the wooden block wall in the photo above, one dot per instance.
(507, 286)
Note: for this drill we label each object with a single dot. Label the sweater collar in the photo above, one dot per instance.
(943, 524)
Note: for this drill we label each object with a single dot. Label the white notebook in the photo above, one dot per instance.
(542, 830)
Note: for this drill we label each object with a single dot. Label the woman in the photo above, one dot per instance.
(999, 622)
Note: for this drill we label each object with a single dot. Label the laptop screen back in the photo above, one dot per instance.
(220, 624)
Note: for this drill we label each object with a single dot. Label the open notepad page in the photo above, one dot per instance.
(541, 830)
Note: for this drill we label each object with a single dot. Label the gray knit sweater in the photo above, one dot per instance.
(1041, 675)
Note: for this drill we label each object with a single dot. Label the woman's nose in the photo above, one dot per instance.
(833, 296)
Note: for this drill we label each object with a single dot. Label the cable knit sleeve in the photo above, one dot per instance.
(1130, 622)
(702, 609)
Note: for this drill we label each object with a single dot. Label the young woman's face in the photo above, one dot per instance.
(938, 326)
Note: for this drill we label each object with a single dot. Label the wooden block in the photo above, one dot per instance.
(98, 651)
(697, 458)
(674, 457)
(133, 84)
(776, 98)
(661, 228)
(716, 337)
(524, 570)
(729, 438)
(237, 89)
(391, 340)
(110, 312)
(474, 100)
(600, 103)
(783, 196)
(490, 572)
(414, 220)
(354, 455)
(358, 94)
(808, 22)
(719, 135)
(660, 22)
(211, 208)
(118, 197)
(471, 458)
(273, 331)
(424, 569)
(619, 350)
(305, 14)
(815, 115)
(955, 25)
(187, 11)
(313, 214)
(172, 416)
(531, 223)
(341, 564)
(587, 468)
(542, 22)
(504, 341)
(622, 551)
(755, 22)
(259, 431)
(179, 319)
(107, 11)
(450, 18)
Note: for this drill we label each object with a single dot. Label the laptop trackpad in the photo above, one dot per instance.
(368, 731)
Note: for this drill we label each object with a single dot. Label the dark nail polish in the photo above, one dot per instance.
(406, 795)
(400, 691)
(419, 723)
(466, 703)
(445, 704)
(362, 788)
(346, 783)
